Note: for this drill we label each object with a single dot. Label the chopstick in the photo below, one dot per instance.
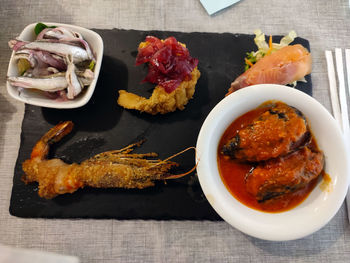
(340, 112)
(333, 86)
(342, 94)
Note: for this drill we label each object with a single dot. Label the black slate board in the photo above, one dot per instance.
(102, 125)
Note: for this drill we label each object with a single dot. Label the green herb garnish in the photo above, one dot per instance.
(40, 27)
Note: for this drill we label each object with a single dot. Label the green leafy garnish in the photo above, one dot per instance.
(40, 27)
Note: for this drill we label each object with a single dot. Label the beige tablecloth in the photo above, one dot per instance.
(324, 23)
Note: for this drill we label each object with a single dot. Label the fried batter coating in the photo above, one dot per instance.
(118, 168)
(161, 101)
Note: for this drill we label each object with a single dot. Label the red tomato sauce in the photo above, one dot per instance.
(233, 174)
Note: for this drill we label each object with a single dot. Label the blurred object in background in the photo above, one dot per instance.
(213, 6)
(18, 255)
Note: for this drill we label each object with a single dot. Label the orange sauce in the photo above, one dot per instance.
(233, 174)
(326, 184)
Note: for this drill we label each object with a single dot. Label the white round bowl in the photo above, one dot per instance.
(35, 98)
(318, 208)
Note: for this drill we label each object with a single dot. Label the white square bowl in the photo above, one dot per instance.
(36, 98)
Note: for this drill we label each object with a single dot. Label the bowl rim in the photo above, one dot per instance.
(70, 104)
(208, 175)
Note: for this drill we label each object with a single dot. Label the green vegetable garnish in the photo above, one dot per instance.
(40, 27)
(92, 65)
(22, 66)
(249, 60)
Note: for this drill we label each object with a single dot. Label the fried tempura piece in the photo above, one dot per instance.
(118, 168)
(161, 101)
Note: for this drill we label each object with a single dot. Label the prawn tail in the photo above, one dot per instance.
(54, 135)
